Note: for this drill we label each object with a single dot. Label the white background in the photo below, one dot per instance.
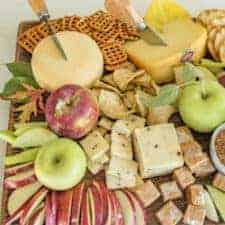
(14, 11)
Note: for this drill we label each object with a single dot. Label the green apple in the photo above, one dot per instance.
(202, 112)
(61, 164)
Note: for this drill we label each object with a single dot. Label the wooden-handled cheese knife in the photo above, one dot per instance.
(41, 10)
(123, 10)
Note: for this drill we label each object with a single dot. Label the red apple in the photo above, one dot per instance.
(18, 169)
(15, 217)
(85, 211)
(139, 208)
(103, 192)
(20, 180)
(32, 205)
(78, 193)
(71, 111)
(38, 217)
(109, 220)
(64, 202)
(51, 208)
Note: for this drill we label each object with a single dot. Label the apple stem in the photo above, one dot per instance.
(204, 95)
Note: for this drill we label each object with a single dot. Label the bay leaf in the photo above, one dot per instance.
(19, 69)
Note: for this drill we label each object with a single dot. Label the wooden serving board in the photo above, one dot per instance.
(203, 139)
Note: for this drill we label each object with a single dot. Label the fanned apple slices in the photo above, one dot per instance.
(89, 203)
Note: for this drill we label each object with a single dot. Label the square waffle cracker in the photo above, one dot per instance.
(101, 21)
(127, 32)
(29, 39)
(66, 23)
(57, 26)
(114, 54)
(73, 22)
(83, 26)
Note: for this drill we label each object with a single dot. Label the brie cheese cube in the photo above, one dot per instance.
(94, 145)
(157, 150)
(96, 166)
(105, 123)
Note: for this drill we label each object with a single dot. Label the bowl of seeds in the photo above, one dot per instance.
(217, 148)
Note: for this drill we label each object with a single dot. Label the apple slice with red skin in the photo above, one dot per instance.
(78, 193)
(64, 203)
(117, 211)
(38, 218)
(85, 210)
(109, 219)
(11, 171)
(103, 192)
(139, 208)
(16, 216)
(96, 205)
(128, 208)
(20, 180)
(32, 205)
(51, 208)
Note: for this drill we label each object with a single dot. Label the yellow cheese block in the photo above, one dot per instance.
(181, 35)
(83, 67)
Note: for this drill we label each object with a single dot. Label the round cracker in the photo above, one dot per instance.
(222, 52)
(210, 43)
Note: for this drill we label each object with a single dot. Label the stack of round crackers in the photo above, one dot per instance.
(109, 33)
(214, 21)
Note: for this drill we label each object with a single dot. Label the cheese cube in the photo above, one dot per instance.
(122, 168)
(96, 166)
(105, 123)
(169, 214)
(140, 107)
(184, 135)
(101, 130)
(183, 177)
(118, 182)
(108, 138)
(195, 195)
(121, 145)
(205, 168)
(147, 193)
(157, 150)
(194, 215)
(136, 122)
(170, 191)
(219, 181)
(94, 145)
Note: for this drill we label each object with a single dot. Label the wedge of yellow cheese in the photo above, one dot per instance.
(83, 67)
(181, 35)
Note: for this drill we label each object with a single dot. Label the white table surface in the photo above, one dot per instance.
(14, 11)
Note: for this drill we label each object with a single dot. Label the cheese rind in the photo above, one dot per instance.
(83, 67)
(181, 35)
(157, 150)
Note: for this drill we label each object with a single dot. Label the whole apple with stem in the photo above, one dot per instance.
(71, 111)
(202, 105)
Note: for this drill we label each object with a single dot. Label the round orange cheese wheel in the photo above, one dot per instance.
(83, 67)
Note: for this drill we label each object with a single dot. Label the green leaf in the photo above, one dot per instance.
(28, 80)
(20, 69)
(191, 73)
(168, 95)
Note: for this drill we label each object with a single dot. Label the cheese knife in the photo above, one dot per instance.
(124, 11)
(41, 10)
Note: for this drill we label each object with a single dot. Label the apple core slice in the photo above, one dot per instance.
(83, 67)
(61, 164)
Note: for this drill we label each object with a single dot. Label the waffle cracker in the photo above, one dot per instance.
(56, 25)
(83, 26)
(114, 54)
(128, 32)
(29, 39)
(66, 23)
(73, 22)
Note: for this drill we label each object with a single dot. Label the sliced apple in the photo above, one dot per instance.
(128, 208)
(32, 205)
(18, 169)
(140, 213)
(85, 211)
(51, 208)
(118, 214)
(78, 192)
(15, 217)
(21, 195)
(103, 192)
(96, 206)
(64, 202)
(38, 218)
(20, 180)
(109, 220)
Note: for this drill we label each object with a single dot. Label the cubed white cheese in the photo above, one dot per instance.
(157, 150)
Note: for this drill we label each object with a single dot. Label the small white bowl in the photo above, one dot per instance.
(215, 159)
